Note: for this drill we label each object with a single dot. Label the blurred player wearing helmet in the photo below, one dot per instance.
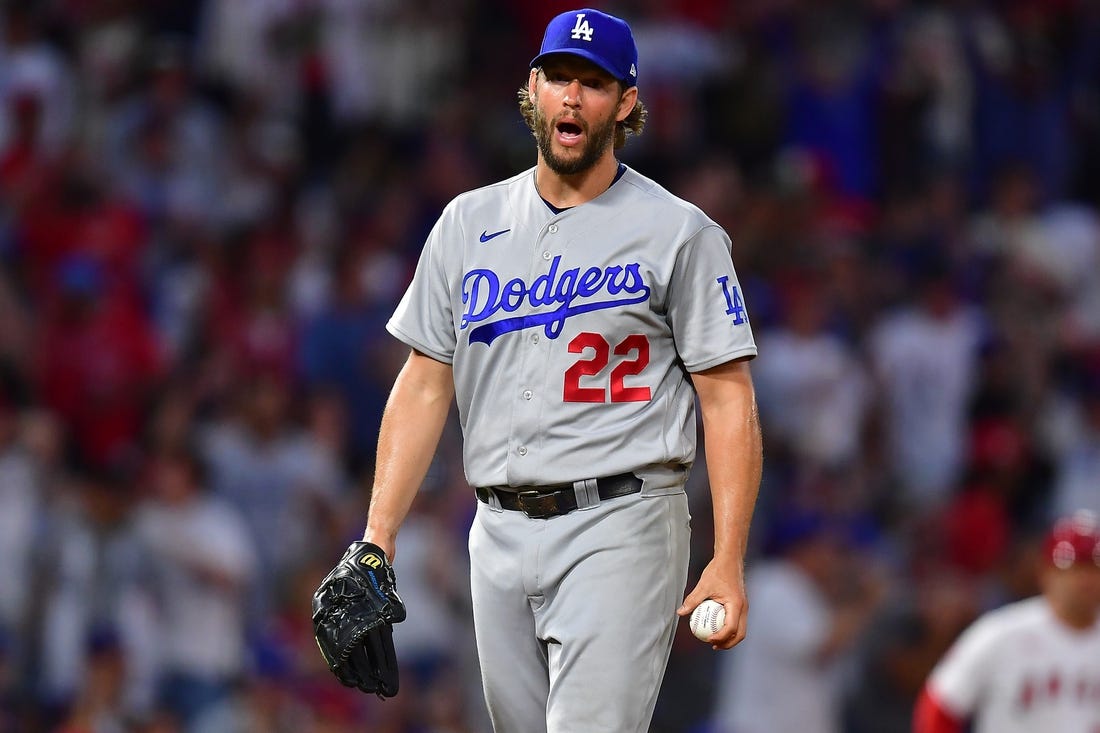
(1032, 666)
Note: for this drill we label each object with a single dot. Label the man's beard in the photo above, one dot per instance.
(597, 140)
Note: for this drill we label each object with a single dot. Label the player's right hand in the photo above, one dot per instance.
(723, 582)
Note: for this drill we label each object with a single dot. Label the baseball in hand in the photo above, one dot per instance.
(707, 618)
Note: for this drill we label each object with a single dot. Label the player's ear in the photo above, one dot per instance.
(532, 83)
(626, 103)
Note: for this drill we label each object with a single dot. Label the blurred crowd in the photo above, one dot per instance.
(209, 209)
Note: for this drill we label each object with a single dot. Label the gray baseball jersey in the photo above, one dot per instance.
(571, 334)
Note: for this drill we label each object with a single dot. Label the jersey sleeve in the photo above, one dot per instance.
(423, 319)
(706, 308)
(929, 716)
(960, 679)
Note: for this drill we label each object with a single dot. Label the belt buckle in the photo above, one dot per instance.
(537, 504)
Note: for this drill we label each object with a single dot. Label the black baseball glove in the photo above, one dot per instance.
(354, 610)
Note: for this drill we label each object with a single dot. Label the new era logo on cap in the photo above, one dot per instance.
(601, 38)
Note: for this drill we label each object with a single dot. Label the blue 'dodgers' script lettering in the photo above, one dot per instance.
(571, 292)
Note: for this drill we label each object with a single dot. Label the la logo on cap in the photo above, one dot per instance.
(581, 29)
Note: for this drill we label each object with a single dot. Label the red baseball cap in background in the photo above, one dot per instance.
(1074, 540)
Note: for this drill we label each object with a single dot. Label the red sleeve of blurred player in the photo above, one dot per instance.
(930, 716)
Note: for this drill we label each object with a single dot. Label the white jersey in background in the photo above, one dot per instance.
(1020, 670)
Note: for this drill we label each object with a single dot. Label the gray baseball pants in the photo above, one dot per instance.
(574, 615)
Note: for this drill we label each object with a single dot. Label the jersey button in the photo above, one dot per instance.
(528, 394)
(522, 450)
(545, 255)
(534, 338)
(553, 228)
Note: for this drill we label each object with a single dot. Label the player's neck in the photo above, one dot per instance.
(1073, 617)
(565, 191)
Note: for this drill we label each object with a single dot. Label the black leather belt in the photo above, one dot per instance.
(551, 501)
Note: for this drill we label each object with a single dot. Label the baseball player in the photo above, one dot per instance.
(1032, 666)
(575, 312)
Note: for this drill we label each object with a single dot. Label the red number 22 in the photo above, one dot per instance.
(636, 344)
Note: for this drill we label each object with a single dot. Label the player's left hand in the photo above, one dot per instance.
(354, 610)
(723, 582)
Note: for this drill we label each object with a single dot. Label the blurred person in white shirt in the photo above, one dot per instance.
(94, 575)
(1078, 462)
(925, 359)
(20, 505)
(1032, 666)
(31, 64)
(201, 559)
(810, 603)
(268, 469)
(813, 391)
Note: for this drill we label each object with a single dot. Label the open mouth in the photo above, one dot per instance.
(568, 131)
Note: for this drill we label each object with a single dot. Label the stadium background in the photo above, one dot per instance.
(208, 210)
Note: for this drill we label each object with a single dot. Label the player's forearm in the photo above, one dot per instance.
(409, 434)
(734, 482)
(734, 451)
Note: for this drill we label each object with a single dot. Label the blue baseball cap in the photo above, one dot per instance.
(601, 38)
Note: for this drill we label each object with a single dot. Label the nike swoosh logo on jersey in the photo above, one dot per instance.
(485, 236)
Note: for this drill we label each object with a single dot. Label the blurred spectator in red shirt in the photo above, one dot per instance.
(75, 214)
(97, 362)
(23, 159)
